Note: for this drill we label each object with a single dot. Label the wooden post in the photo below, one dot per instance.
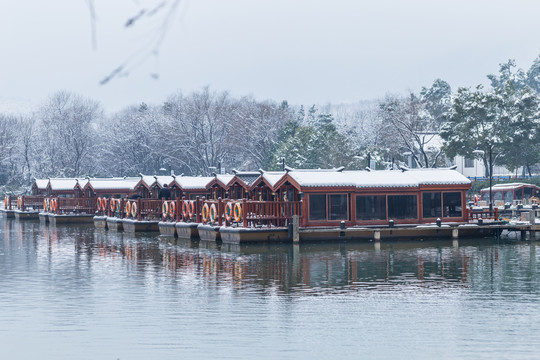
(197, 210)
(296, 228)
(303, 206)
(181, 213)
(244, 212)
(455, 233)
(220, 211)
(139, 201)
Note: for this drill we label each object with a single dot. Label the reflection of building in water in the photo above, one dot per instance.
(351, 267)
(303, 269)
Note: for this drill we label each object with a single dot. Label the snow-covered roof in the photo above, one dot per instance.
(114, 183)
(41, 183)
(438, 177)
(61, 184)
(247, 177)
(148, 180)
(193, 182)
(224, 178)
(82, 182)
(508, 187)
(162, 180)
(272, 177)
(379, 178)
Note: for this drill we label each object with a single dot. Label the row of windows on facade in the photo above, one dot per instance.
(384, 207)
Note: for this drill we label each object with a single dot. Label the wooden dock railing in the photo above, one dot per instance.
(245, 213)
(30, 202)
(10, 202)
(249, 213)
(484, 215)
(74, 205)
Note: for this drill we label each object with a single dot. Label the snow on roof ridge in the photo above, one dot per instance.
(339, 169)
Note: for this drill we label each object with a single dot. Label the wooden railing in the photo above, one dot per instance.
(27, 202)
(250, 213)
(75, 205)
(484, 215)
(245, 213)
(10, 202)
(149, 209)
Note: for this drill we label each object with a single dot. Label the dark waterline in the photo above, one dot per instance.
(75, 292)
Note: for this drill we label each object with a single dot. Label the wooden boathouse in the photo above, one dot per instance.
(321, 204)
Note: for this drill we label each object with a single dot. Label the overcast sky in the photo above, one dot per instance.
(304, 51)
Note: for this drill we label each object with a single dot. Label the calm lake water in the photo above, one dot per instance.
(75, 292)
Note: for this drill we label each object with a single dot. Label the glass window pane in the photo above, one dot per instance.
(431, 205)
(338, 207)
(402, 207)
(452, 204)
(371, 207)
(317, 207)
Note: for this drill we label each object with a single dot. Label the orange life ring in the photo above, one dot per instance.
(128, 208)
(205, 211)
(111, 205)
(229, 211)
(164, 208)
(5, 202)
(213, 213)
(172, 209)
(191, 209)
(53, 205)
(237, 212)
(19, 202)
(476, 200)
(185, 207)
(45, 205)
(134, 209)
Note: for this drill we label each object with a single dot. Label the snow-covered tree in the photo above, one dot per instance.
(65, 135)
(407, 128)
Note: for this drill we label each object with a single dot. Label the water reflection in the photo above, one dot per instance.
(305, 269)
(141, 296)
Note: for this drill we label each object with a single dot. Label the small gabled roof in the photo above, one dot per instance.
(162, 180)
(220, 180)
(122, 183)
(63, 184)
(269, 178)
(41, 184)
(273, 177)
(245, 178)
(82, 183)
(146, 181)
(193, 182)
